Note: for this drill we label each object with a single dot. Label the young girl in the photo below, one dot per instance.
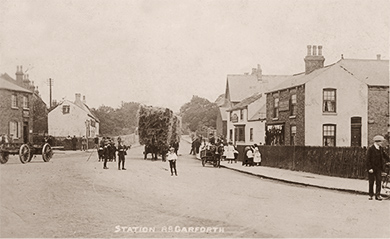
(172, 157)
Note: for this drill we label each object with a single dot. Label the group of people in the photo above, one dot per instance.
(74, 142)
(252, 156)
(107, 150)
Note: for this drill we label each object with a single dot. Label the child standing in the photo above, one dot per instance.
(172, 157)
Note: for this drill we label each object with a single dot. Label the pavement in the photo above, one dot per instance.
(357, 186)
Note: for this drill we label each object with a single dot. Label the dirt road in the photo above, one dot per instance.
(71, 196)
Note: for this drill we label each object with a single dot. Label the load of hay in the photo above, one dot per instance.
(158, 126)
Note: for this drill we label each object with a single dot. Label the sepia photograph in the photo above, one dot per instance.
(194, 119)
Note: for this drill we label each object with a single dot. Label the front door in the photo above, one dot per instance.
(25, 132)
(356, 131)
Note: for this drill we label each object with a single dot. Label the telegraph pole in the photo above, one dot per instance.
(50, 82)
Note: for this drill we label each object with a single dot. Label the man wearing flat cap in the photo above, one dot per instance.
(376, 158)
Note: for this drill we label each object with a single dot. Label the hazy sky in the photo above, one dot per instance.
(162, 52)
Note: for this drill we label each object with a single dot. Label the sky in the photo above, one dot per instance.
(162, 52)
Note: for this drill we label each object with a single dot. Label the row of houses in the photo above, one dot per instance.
(24, 115)
(342, 104)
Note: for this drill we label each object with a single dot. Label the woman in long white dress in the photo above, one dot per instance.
(257, 156)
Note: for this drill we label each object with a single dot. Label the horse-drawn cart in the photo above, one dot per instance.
(207, 154)
(25, 151)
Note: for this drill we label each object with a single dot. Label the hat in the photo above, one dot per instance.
(378, 138)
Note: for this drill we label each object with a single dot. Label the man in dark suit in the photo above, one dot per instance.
(375, 160)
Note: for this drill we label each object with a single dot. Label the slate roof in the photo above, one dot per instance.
(7, 84)
(242, 86)
(245, 102)
(260, 114)
(371, 72)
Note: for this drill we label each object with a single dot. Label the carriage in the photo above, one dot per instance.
(25, 151)
(208, 154)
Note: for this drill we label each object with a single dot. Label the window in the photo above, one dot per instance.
(241, 114)
(14, 101)
(25, 102)
(65, 109)
(231, 135)
(293, 104)
(14, 129)
(329, 96)
(240, 133)
(329, 135)
(251, 134)
(276, 107)
(293, 133)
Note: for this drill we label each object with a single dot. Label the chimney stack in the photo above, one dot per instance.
(78, 98)
(312, 60)
(84, 101)
(19, 75)
(259, 73)
(378, 56)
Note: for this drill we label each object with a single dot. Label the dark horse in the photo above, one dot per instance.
(152, 149)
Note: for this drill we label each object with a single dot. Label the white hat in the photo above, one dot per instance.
(379, 138)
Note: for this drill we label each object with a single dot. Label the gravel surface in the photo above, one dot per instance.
(72, 196)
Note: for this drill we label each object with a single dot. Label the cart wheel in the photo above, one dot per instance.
(47, 152)
(24, 153)
(203, 162)
(4, 157)
(30, 158)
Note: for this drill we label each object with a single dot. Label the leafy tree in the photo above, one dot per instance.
(199, 112)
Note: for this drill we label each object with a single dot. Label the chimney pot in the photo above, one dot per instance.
(378, 56)
(314, 50)
(78, 97)
(309, 50)
(320, 50)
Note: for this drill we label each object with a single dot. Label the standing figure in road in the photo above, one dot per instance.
(121, 154)
(172, 158)
(106, 154)
(101, 149)
(74, 142)
(83, 143)
(375, 160)
(230, 152)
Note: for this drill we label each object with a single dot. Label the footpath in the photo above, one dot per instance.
(357, 186)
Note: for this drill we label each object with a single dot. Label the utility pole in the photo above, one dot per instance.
(50, 82)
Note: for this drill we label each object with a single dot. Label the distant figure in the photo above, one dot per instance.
(230, 152)
(83, 143)
(50, 140)
(74, 142)
(375, 160)
(96, 142)
(172, 158)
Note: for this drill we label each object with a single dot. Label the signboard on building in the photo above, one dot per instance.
(26, 113)
(284, 105)
(234, 118)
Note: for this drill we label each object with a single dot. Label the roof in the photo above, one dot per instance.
(82, 106)
(245, 102)
(7, 84)
(222, 111)
(220, 100)
(260, 114)
(242, 86)
(371, 72)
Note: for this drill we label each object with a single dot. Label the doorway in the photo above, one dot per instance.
(356, 131)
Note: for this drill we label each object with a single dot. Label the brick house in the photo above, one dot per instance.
(23, 112)
(73, 118)
(342, 104)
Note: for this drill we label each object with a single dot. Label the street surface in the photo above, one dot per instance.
(71, 196)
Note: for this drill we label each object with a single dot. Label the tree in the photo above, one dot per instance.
(199, 112)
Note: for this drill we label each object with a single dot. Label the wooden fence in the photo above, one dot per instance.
(346, 162)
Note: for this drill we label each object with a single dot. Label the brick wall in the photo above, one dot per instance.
(378, 111)
(284, 116)
(10, 114)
